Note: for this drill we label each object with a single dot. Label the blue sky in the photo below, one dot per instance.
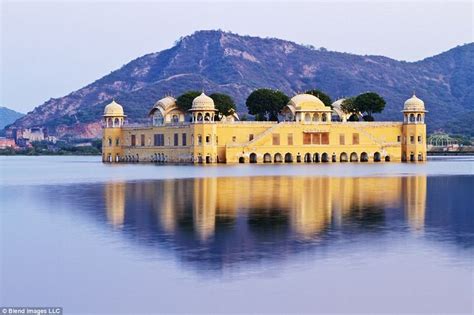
(52, 48)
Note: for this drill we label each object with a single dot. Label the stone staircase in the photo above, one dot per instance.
(257, 138)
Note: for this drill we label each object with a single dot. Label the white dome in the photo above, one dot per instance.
(337, 104)
(166, 102)
(414, 104)
(113, 109)
(203, 102)
(306, 102)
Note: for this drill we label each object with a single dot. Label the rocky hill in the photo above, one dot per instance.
(224, 62)
(8, 116)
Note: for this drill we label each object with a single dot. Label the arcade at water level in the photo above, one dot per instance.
(309, 132)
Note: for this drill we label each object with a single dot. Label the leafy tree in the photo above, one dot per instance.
(185, 100)
(369, 103)
(348, 106)
(326, 99)
(224, 103)
(265, 104)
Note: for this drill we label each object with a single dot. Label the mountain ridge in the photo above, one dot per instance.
(8, 116)
(225, 62)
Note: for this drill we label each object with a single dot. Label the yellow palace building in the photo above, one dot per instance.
(309, 132)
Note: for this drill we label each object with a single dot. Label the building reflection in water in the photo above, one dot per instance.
(241, 218)
(115, 199)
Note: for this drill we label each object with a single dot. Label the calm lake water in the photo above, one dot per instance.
(327, 238)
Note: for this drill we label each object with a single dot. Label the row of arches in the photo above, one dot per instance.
(113, 122)
(412, 118)
(315, 158)
(412, 157)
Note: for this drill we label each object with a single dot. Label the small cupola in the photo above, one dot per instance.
(203, 108)
(114, 115)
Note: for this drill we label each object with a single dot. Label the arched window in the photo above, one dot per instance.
(199, 139)
(412, 117)
(157, 118)
(418, 118)
(325, 117)
(175, 119)
(199, 117)
(307, 117)
(110, 142)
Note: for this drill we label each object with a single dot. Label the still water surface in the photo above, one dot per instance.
(350, 238)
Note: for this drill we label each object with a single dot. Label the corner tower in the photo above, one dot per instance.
(112, 139)
(414, 130)
(203, 114)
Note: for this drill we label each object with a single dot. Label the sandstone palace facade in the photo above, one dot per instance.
(309, 132)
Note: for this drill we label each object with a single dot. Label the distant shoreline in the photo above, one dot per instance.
(450, 153)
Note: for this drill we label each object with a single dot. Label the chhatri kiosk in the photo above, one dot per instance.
(309, 132)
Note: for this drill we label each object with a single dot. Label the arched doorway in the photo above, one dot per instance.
(253, 158)
(354, 157)
(343, 157)
(412, 157)
(278, 158)
(267, 158)
(288, 158)
(316, 158)
(364, 157)
(307, 157)
(420, 157)
(387, 158)
(377, 157)
(208, 159)
(325, 157)
(241, 159)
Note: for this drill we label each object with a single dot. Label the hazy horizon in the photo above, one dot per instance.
(50, 49)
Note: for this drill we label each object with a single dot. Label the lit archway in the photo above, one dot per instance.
(354, 157)
(343, 157)
(278, 158)
(267, 158)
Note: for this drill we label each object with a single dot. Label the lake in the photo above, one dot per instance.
(328, 238)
